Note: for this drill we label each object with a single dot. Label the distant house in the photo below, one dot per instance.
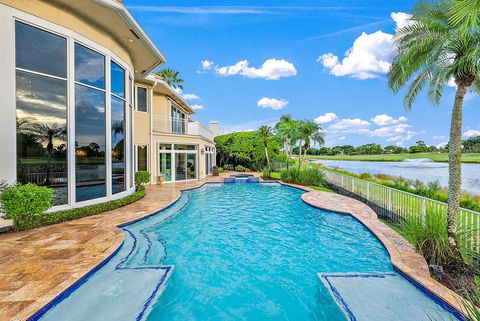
(81, 109)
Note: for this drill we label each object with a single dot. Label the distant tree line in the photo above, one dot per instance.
(471, 145)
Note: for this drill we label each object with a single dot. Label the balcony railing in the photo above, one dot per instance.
(171, 125)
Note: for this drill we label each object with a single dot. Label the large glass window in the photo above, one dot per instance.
(180, 166)
(178, 121)
(40, 51)
(90, 141)
(118, 128)
(142, 102)
(41, 108)
(191, 166)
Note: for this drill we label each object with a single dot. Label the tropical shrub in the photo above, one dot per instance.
(246, 149)
(309, 176)
(142, 178)
(240, 168)
(429, 237)
(29, 222)
(228, 167)
(26, 201)
(266, 173)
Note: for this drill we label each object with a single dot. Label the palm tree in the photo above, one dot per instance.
(287, 132)
(265, 132)
(309, 132)
(465, 14)
(433, 52)
(171, 77)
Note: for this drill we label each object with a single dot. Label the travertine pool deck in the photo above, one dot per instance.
(39, 264)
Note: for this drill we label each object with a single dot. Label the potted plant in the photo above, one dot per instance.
(215, 171)
(160, 179)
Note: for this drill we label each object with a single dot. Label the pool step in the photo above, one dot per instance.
(250, 179)
(380, 297)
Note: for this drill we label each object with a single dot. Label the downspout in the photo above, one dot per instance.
(153, 152)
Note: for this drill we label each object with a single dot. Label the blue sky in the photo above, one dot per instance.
(323, 60)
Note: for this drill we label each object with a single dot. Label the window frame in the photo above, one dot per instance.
(14, 15)
(136, 98)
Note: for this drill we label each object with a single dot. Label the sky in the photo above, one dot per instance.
(247, 63)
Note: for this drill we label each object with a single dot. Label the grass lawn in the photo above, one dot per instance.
(437, 157)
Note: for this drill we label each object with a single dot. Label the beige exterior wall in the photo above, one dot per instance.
(178, 139)
(72, 21)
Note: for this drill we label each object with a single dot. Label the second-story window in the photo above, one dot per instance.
(142, 99)
(178, 120)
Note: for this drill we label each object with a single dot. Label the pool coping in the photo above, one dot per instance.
(404, 258)
(70, 283)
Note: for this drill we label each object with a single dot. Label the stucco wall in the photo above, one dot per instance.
(72, 21)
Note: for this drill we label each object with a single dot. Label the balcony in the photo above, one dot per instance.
(181, 126)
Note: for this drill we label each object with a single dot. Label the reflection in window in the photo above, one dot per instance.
(89, 143)
(42, 133)
(180, 166)
(185, 147)
(89, 67)
(142, 99)
(118, 128)
(41, 107)
(142, 163)
(40, 51)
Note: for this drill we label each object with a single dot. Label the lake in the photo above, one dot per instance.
(422, 169)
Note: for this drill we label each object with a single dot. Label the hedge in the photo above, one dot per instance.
(29, 222)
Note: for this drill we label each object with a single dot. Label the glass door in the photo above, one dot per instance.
(180, 166)
(165, 168)
(191, 166)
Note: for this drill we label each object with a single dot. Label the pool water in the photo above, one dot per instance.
(240, 252)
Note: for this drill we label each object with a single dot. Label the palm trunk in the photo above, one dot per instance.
(268, 160)
(299, 155)
(455, 168)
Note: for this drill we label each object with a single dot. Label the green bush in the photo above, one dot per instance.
(142, 177)
(228, 167)
(26, 201)
(220, 170)
(25, 223)
(309, 176)
(240, 168)
(429, 237)
(266, 173)
(366, 176)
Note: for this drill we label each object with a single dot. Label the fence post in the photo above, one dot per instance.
(342, 180)
(390, 200)
(353, 185)
(424, 211)
(368, 191)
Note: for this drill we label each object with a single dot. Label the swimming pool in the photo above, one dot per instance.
(244, 252)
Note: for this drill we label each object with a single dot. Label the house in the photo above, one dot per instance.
(168, 142)
(81, 109)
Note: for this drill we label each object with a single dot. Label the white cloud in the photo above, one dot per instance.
(196, 107)
(384, 120)
(190, 97)
(402, 19)
(471, 133)
(327, 118)
(348, 125)
(273, 103)
(206, 64)
(271, 69)
(391, 129)
(369, 57)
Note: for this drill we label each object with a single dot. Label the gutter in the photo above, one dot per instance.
(122, 10)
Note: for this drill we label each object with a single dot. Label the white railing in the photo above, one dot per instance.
(397, 206)
(170, 125)
(199, 129)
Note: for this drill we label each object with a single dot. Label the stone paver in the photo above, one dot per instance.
(37, 265)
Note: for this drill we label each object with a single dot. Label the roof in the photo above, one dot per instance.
(113, 17)
(163, 88)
